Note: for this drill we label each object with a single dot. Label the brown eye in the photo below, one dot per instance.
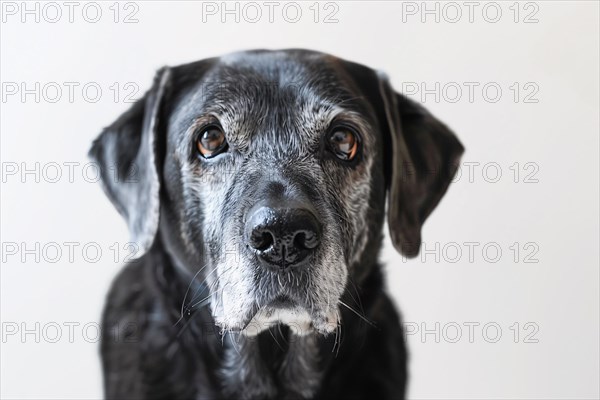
(343, 143)
(211, 141)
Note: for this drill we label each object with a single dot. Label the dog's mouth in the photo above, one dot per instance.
(287, 311)
(283, 302)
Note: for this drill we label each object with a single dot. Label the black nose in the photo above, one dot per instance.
(283, 237)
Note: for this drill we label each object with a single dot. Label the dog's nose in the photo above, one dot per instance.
(283, 238)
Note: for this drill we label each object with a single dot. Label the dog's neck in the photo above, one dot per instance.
(275, 364)
(279, 364)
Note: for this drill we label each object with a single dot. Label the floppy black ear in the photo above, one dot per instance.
(126, 153)
(421, 162)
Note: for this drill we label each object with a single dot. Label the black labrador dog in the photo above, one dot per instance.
(255, 185)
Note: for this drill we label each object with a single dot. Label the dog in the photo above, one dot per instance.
(255, 186)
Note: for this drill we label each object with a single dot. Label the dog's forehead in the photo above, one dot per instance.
(280, 67)
(273, 64)
(275, 80)
(263, 91)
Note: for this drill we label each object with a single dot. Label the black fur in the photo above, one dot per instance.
(169, 329)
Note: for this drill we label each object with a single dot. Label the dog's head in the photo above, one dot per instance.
(265, 175)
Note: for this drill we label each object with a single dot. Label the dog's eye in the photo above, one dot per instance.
(211, 141)
(343, 143)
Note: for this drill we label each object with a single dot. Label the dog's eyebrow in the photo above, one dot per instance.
(324, 113)
(353, 117)
(244, 105)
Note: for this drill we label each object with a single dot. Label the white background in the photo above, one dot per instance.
(557, 216)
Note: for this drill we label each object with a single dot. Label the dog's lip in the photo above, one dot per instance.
(286, 311)
(296, 317)
(282, 302)
(278, 303)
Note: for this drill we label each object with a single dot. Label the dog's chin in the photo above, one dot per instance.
(287, 312)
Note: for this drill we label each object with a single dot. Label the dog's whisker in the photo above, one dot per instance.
(219, 299)
(206, 300)
(275, 339)
(358, 314)
(186, 293)
(233, 342)
(201, 303)
(204, 282)
(200, 290)
(357, 300)
(187, 323)
(281, 333)
(339, 333)
(336, 336)
(210, 293)
(335, 342)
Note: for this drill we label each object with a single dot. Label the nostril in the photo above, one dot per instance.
(261, 240)
(307, 240)
(311, 240)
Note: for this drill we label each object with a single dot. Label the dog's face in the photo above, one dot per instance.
(265, 176)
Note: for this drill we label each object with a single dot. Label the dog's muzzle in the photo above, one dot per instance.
(282, 238)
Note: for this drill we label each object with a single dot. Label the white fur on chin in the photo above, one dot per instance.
(297, 319)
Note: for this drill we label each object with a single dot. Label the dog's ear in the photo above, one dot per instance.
(421, 159)
(126, 153)
(421, 156)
